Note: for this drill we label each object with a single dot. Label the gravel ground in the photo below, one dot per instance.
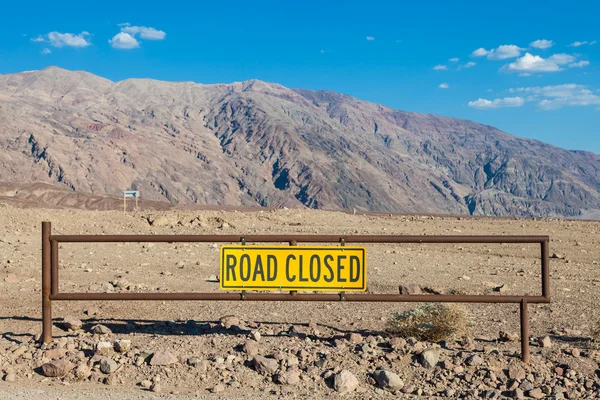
(193, 329)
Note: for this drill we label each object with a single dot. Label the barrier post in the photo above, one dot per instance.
(46, 283)
(524, 332)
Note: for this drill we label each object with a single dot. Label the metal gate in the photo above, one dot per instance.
(50, 272)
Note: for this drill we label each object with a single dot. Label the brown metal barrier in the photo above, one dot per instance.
(51, 292)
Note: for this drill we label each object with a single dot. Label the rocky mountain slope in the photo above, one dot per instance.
(257, 143)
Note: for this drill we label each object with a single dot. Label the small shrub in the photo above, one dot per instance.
(596, 335)
(430, 323)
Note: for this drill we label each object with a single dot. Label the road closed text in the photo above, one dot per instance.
(320, 268)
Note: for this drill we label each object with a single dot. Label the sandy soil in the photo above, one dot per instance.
(476, 269)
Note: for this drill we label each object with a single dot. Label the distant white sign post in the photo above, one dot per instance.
(130, 194)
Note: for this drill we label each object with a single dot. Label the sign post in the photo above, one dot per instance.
(130, 194)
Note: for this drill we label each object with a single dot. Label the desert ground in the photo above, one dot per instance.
(209, 356)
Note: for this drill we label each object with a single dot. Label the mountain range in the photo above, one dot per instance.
(257, 143)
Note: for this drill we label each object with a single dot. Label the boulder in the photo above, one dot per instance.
(345, 382)
(250, 347)
(122, 345)
(57, 369)
(228, 321)
(71, 323)
(410, 289)
(264, 365)
(388, 380)
(101, 330)
(429, 358)
(108, 366)
(163, 357)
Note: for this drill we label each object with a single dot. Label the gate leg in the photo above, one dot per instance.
(46, 284)
(524, 332)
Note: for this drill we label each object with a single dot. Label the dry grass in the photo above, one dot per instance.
(430, 323)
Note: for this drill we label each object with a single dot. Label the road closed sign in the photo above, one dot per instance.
(318, 268)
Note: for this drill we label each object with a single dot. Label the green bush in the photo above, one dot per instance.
(430, 323)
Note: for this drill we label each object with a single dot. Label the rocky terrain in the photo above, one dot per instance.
(261, 144)
(235, 350)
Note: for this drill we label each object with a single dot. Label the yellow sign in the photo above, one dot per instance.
(319, 268)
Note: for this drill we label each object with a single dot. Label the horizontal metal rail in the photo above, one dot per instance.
(350, 297)
(298, 238)
(50, 268)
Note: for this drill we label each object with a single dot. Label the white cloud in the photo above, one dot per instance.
(444, 86)
(558, 96)
(530, 63)
(46, 51)
(440, 67)
(579, 64)
(124, 41)
(148, 33)
(577, 44)
(484, 104)
(370, 38)
(455, 59)
(57, 39)
(501, 53)
(505, 51)
(480, 52)
(470, 64)
(542, 44)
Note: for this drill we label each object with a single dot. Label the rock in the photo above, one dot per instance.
(10, 377)
(56, 353)
(557, 256)
(156, 388)
(354, 337)
(72, 323)
(290, 377)
(474, 360)
(516, 372)
(122, 345)
(101, 330)
(82, 372)
(104, 348)
(108, 366)
(410, 289)
(256, 335)
(250, 347)
(388, 380)
(545, 342)
(396, 342)
(218, 388)
(213, 278)
(163, 357)
(345, 382)
(508, 337)
(575, 352)
(57, 369)
(429, 358)
(146, 384)
(526, 385)
(264, 365)
(517, 394)
(228, 321)
(536, 393)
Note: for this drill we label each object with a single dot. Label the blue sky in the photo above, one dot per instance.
(543, 83)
